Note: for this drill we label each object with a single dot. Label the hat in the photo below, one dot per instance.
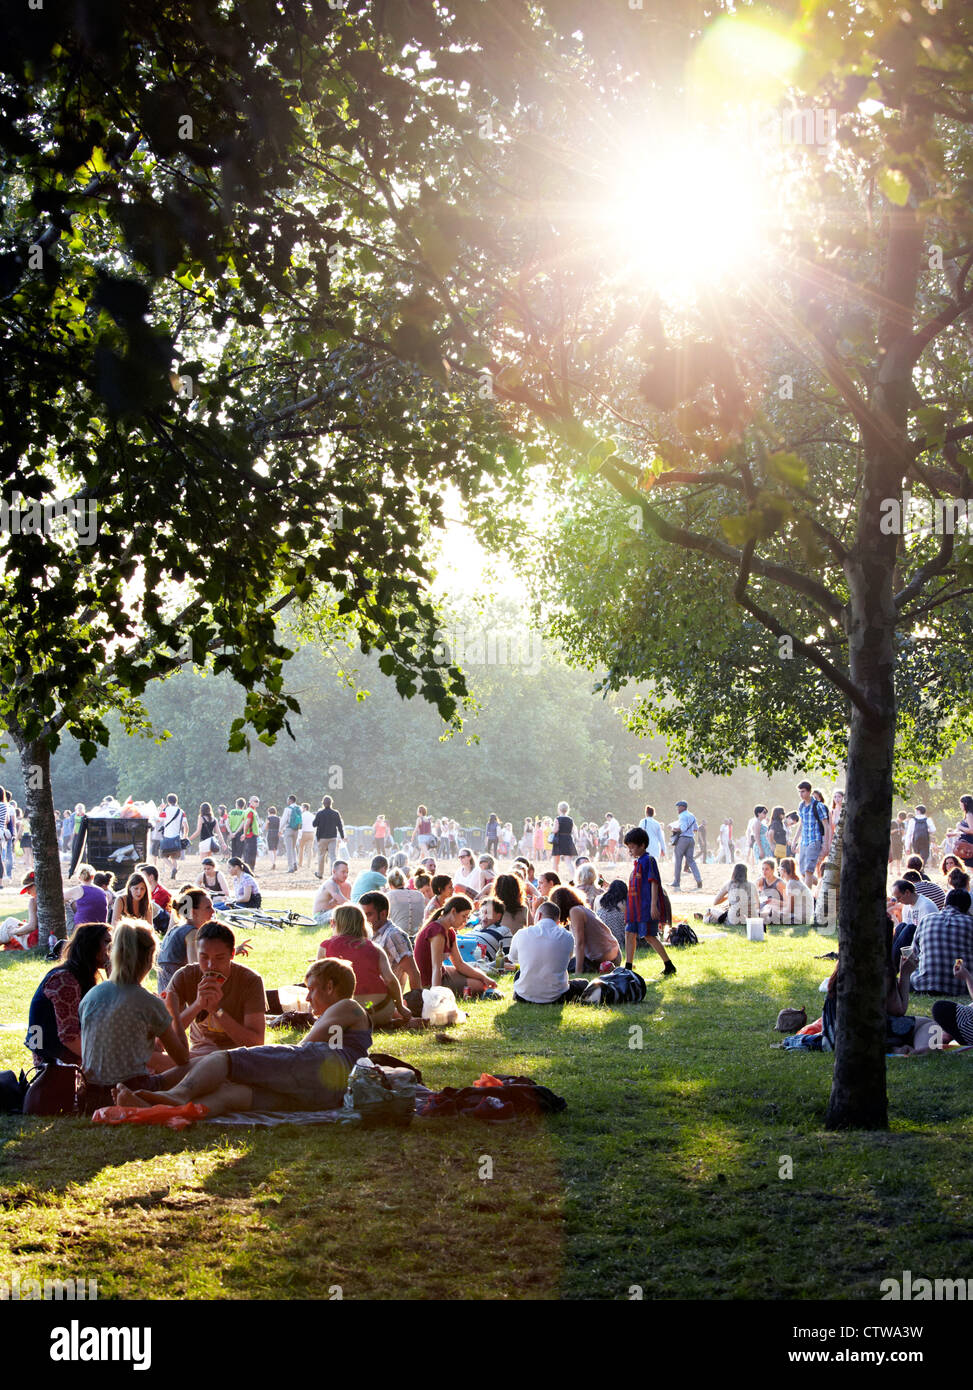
(680, 803)
(28, 882)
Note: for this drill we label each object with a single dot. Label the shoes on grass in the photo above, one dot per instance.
(669, 970)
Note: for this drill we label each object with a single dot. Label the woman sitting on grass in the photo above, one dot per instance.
(53, 1027)
(594, 943)
(798, 901)
(770, 890)
(741, 898)
(120, 1021)
(442, 890)
(377, 987)
(610, 908)
(312, 1075)
(436, 944)
(135, 902)
(510, 890)
(192, 908)
(243, 885)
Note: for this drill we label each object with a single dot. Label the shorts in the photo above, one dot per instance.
(310, 1077)
(809, 856)
(642, 930)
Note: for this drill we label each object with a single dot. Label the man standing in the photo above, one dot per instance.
(643, 912)
(249, 832)
(918, 832)
(814, 816)
(291, 830)
(657, 838)
(685, 846)
(234, 823)
(329, 830)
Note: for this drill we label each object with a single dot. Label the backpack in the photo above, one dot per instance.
(790, 1020)
(920, 837)
(619, 986)
(295, 820)
(683, 935)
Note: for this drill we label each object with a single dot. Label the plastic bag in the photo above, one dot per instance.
(439, 1006)
(381, 1094)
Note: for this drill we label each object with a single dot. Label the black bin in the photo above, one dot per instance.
(110, 845)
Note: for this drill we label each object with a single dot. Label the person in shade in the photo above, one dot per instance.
(312, 1075)
(53, 1025)
(643, 913)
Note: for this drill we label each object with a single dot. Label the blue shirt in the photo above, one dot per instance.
(812, 814)
(687, 822)
(368, 881)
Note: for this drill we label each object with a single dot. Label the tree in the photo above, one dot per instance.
(188, 285)
(865, 286)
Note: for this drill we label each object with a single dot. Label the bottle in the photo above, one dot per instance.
(499, 958)
(479, 952)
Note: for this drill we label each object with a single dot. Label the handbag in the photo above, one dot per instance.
(963, 849)
(790, 1020)
(54, 1090)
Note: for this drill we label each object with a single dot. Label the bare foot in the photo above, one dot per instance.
(158, 1098)
(123, 1096)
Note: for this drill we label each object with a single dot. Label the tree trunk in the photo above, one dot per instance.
(858, 1098)
(35, 762)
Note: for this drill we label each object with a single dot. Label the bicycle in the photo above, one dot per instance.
(274, 918)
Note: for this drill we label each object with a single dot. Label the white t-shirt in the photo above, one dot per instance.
(307, 821)
(922, 907)
(542, 951)
(170, 819)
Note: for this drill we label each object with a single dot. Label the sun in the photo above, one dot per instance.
(685, 213)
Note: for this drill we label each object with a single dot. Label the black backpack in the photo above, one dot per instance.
(683, 935)
(619, 986)
(12, 1092)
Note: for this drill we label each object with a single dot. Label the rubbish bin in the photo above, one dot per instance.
(110, 844)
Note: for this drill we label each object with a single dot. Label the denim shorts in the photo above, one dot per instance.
(309, 1076)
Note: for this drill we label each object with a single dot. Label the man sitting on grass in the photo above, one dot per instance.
(309, 1076)
(221, 1004)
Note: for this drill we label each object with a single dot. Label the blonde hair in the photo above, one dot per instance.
(85, 873)
(132, 951)
(396, 878)
(349, 920)
(562, 808)
(340, 972)
(587, 875)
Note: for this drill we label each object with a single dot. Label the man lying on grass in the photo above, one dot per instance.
(310, 1076)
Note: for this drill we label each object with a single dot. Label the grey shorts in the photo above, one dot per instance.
(308, 1077)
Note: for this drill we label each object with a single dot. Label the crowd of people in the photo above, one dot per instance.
(404, 925)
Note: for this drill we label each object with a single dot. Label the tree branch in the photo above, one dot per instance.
(834, 674)
(802, 584)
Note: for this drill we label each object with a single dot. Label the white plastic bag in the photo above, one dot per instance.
(439, 1006)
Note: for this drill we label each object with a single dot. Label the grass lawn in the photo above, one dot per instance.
(664, 1172)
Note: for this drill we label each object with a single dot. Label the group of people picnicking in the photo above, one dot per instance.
(398, 929)
(200, 1035)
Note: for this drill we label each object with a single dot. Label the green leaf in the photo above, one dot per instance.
(895, 186)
